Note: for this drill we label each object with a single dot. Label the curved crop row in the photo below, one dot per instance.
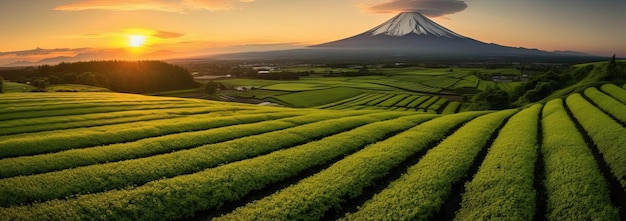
(418, 101)
(182, 196)
(54, 141)
(380, 99)
(97, 178)
(111, 118)
(615, 91)
(244, 126)
(85, 105)
(393, 100)
(607, 103)
(576, 189)
(337, 103)
(412, 197)
(347, 178)
(399, 102)
(407, 101)
(607, 134)
(503, 186)
(437, 105)
(451, 108)
(46, 105)
(366, 100)
(110, 115)
(428, 102)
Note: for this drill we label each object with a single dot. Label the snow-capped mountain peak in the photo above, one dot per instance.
(412, 22)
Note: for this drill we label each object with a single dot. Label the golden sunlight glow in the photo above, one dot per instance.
(136, 41)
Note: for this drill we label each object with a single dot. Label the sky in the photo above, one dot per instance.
(33, 30)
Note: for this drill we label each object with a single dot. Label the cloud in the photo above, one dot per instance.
(178, 6)
(430, 8)
(40, 51)
(167, 34)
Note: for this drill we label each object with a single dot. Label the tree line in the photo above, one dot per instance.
(120, 76)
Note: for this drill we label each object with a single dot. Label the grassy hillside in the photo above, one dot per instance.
(75, 88)
(13, 87)
(579, 77)
(110, 156)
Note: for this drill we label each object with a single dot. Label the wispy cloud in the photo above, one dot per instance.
(134, 31)
(431, 8)
(178, 6)
(36, 51)
(166, 34)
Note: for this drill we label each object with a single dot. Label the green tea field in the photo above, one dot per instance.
(391, 155)
(441, 91)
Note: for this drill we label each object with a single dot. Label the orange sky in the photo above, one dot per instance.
(190, 27)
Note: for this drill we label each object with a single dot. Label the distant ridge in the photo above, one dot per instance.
(411, 35)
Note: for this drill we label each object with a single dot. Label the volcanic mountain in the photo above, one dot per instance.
(408, 35)
(413, 33)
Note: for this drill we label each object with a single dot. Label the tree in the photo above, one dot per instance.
(40, 84)
(612, 72)
(53, 79)
(69, 78)
(491, 99)
(88, 78)
(1, 84)
(211, 87)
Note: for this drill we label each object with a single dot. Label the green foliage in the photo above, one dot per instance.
(120, 76)
(614, 72)
(14, 87)
(211, 87)
(76, 88)
(110, 156)
(40, 84)
(294, 87)
(347, 178)
(451, 108)
(491, 99)
(399, 102)
(69, 78)
(40, 124)
(608, 104)
(503, 186)
(540, 86)
(573, 179)
(607, 134)
(615, 91)
(53, 79)
(142, 170)
(53, 141)
(412, 197)
(223, 131)
(317, 97)
(224, 183)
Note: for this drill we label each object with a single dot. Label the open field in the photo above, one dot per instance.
(450, 86)
(12, 87)
(112, 156)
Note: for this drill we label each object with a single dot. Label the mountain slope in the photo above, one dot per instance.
(411, 35)
(407, 23)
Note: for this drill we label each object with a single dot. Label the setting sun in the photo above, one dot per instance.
(136, 41)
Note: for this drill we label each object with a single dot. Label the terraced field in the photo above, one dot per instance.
(353, 93)
(397, 102)
(109, 156)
